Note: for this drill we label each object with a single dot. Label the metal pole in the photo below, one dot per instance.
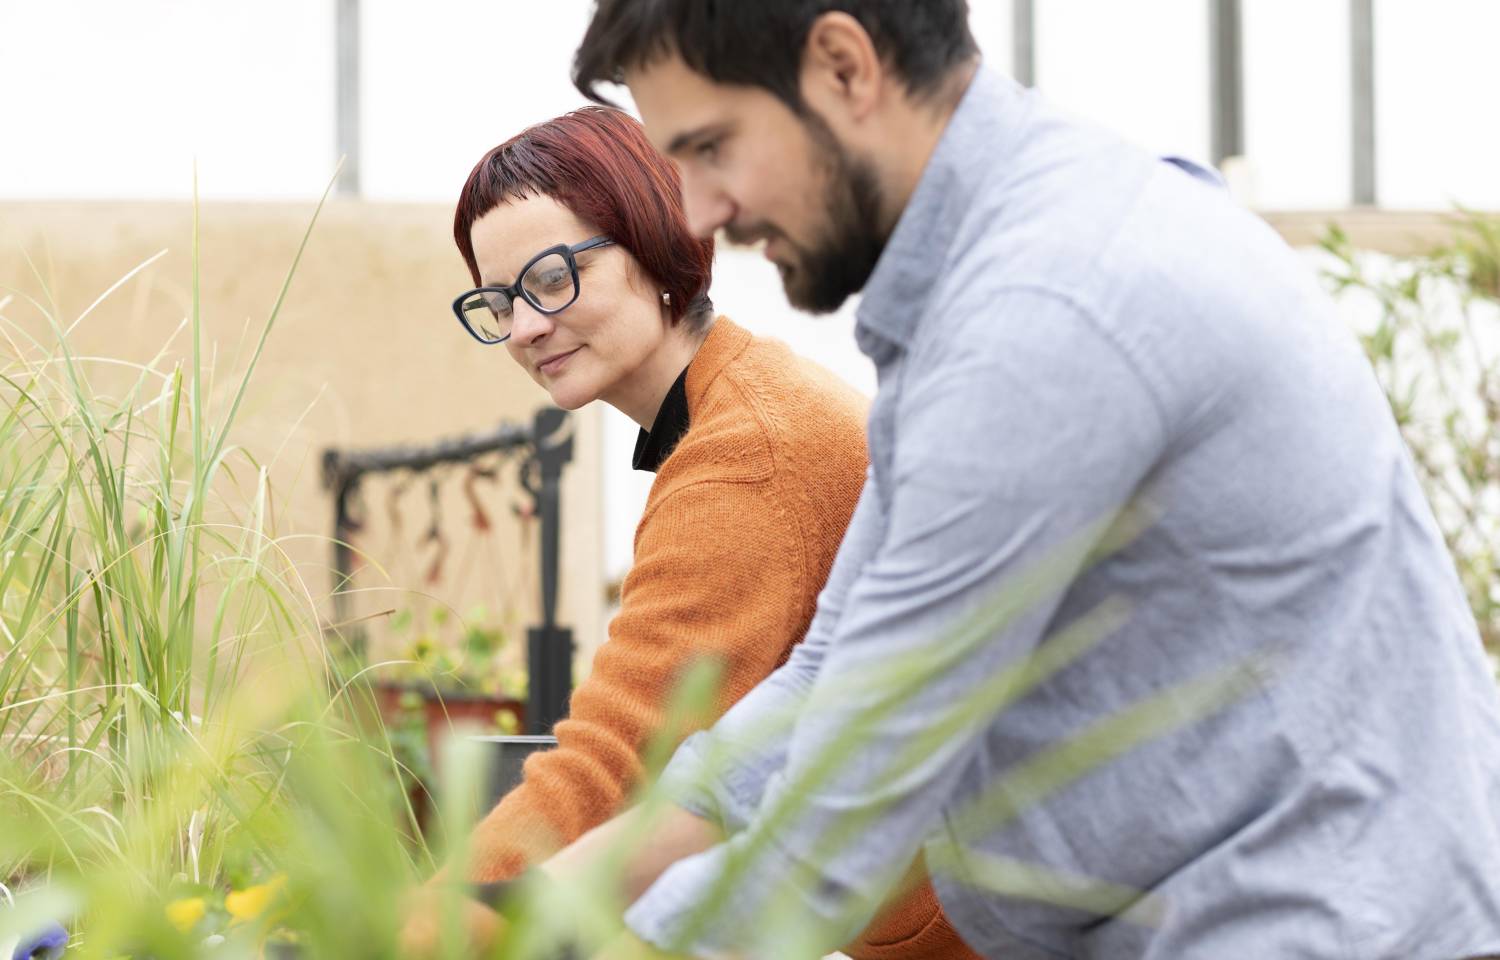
(1023, 42)
(1362, 100)
(1226, 39)
(347, 94)
(549, 647)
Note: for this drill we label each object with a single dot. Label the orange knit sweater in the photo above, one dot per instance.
(739, 532)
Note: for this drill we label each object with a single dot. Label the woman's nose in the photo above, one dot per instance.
(527, 323)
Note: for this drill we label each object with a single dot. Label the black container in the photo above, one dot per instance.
(504, 758)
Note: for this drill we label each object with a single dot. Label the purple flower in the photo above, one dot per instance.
(46, 945)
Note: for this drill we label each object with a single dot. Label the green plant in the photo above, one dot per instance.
(1435, 349)
(470, 655)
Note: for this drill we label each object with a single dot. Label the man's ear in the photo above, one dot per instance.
(841, 70)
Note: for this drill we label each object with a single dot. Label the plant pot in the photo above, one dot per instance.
(448, 712)
(443, 715)
(505, 756)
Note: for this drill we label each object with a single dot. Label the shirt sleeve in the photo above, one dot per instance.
(715, 576)
(720, 774)
(1008, 461)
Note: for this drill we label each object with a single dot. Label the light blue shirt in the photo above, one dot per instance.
(1116, 402)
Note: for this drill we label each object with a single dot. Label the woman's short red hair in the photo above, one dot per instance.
(597, 162)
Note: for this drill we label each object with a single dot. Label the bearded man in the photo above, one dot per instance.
(1120, 404)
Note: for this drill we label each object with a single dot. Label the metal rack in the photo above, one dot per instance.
(547, 446)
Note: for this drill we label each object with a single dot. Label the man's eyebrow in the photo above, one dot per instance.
(682, 141)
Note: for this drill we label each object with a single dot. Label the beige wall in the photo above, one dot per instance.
(365, 353)
(1395, 232)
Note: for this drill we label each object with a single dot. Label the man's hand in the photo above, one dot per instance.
(424, 918)
(674, 834)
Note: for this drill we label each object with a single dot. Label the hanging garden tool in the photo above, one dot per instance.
(435, 532)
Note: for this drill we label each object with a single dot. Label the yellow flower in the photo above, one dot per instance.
(248, 904)
(185, 914)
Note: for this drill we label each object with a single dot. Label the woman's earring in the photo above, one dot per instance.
(666, 297)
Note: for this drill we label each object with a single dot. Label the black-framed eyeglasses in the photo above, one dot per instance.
(548, 282)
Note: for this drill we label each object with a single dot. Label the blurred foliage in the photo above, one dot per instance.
(469, 655)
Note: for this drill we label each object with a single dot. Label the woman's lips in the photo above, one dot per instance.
(552, 366)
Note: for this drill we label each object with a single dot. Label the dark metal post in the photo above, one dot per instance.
(1023, 42)
(1226, 39)
(347, 95)
(1362, 100)
(549, 646)
(345, 488)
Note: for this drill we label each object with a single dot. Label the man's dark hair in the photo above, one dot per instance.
(759, 43)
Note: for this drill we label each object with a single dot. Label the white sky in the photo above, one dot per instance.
(104, 98)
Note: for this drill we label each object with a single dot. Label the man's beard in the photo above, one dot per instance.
(821, 277)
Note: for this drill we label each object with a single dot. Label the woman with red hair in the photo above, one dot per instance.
(586, 270)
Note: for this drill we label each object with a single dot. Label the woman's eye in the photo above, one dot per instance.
(708, 150)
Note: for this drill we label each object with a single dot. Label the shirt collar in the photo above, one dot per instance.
(652, 447)
(975, 143)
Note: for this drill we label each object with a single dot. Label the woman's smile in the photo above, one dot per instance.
(555, 363)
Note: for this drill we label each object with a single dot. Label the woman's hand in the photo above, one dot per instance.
(425, 918)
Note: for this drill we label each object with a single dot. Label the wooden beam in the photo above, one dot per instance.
(1397, 233)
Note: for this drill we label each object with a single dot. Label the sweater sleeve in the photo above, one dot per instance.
(718, 573)
(721, 773)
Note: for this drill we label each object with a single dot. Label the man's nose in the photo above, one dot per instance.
(708, 208)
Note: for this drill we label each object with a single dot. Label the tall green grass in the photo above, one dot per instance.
(171, 721)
